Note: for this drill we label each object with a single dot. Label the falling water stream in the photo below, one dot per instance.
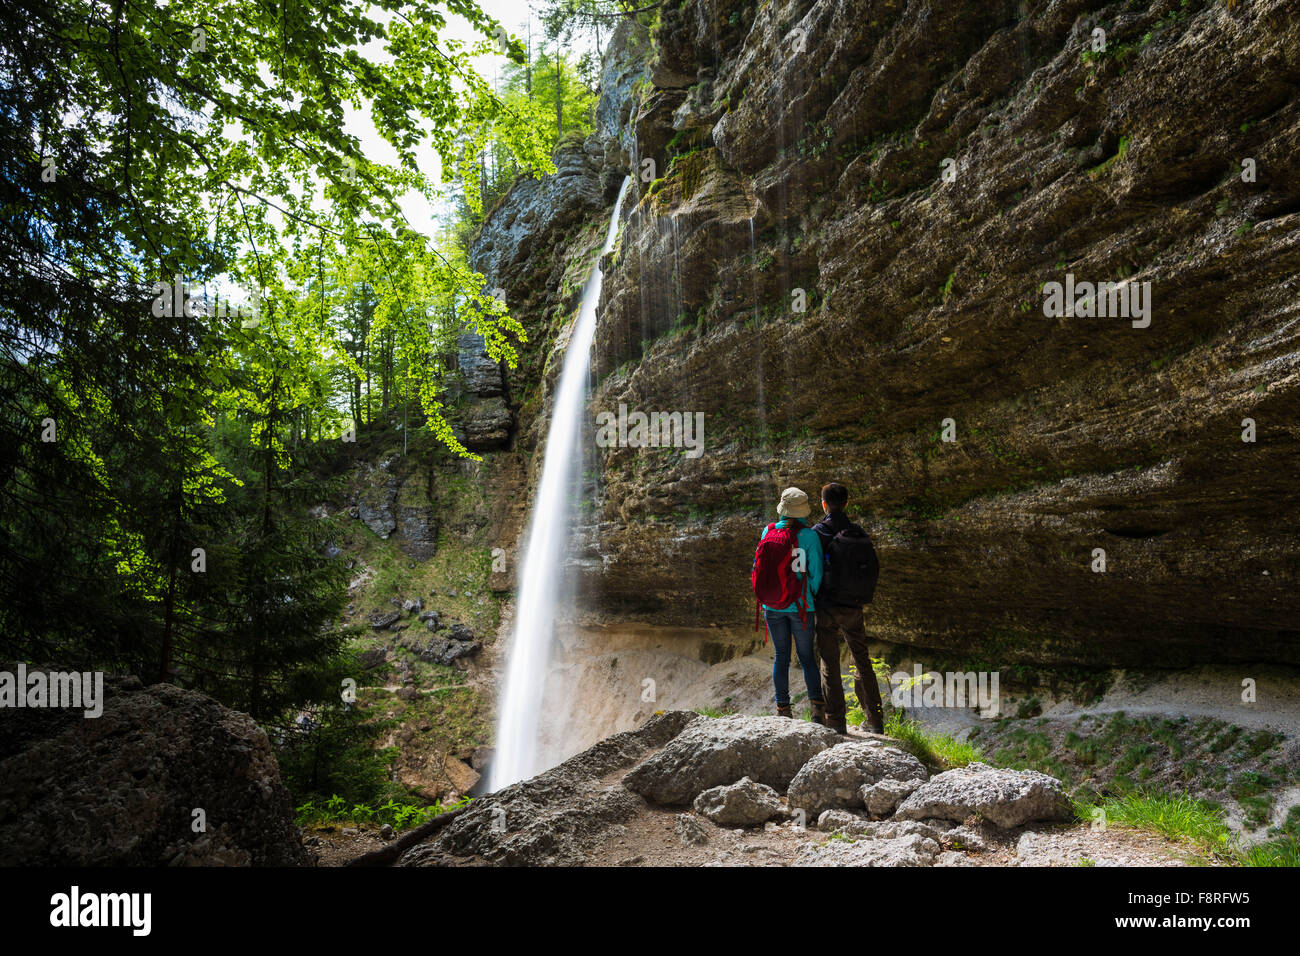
(548, 539)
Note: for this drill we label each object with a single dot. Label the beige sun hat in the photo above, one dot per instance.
(794, 504)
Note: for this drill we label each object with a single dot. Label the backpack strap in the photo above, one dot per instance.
(800, 602)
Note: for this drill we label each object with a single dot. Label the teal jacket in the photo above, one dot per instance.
(811, 542)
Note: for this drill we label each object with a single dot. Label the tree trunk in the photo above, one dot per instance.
(169, 618)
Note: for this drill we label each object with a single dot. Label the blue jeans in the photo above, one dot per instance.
(783, 626)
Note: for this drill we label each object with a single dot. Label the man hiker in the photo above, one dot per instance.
(849, 583)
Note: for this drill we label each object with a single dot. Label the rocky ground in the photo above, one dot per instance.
(1103, 733)
(689, 790)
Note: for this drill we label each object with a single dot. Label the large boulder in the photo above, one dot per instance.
(1005, 798)
(555, 818)
(835, 778)
(742, 804)
(126, 788)
(460, 632)
(382, 619)
(848, 822)
(711, 752)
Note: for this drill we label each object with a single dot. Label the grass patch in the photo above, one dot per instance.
(1262, 740)
(1257, 810)
(1137, 755)
(1281, 852)
(714, 712)
(1250, 784)
(1177, 818)
(1291, 825)
(1087, 750)
(936, 751)
(1225, 740)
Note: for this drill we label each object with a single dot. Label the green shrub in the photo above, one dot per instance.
(399, 815)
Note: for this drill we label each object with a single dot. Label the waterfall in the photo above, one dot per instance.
(547, 544)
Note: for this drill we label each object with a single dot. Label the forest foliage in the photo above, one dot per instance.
(205, 276)
(209, 284)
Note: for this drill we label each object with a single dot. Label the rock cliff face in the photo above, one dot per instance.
(841, 257)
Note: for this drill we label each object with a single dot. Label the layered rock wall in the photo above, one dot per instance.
(841, 260)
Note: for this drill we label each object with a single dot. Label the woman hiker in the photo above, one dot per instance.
(787, 572)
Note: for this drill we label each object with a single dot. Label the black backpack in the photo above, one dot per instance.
(851, 569)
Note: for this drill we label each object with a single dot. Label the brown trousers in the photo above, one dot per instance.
(832, 622)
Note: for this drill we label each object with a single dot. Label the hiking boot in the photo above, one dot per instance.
(783, 710)
(818, 712)
(837, 724)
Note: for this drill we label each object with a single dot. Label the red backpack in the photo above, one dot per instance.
(775, 581)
